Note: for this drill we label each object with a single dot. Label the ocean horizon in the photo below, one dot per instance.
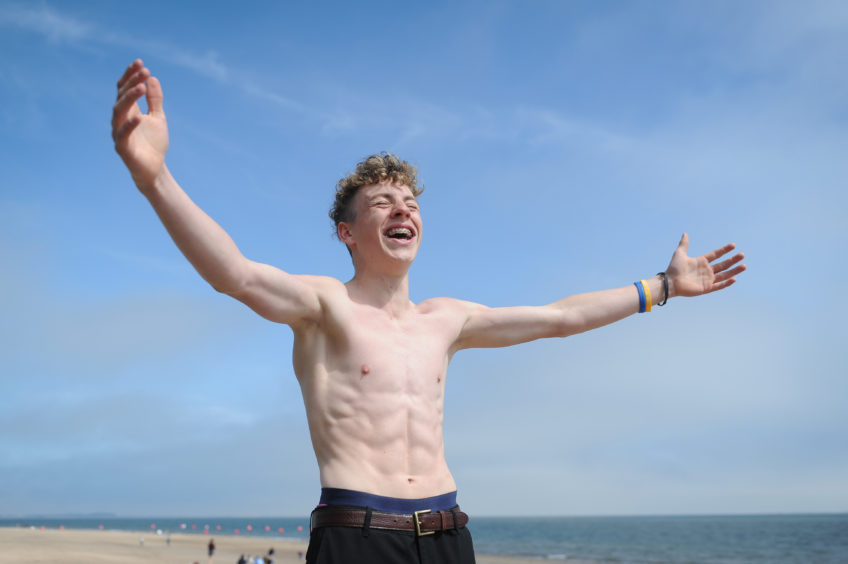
(677, 539)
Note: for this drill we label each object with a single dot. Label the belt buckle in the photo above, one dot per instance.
(417, 518)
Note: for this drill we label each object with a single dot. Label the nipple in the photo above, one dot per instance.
(438, 378)
(365, 369)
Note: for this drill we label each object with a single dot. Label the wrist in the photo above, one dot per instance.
(653, 291)
(660, 288)
(150, 186)
(666, 288)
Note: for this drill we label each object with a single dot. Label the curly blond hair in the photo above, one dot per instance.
(372, 170)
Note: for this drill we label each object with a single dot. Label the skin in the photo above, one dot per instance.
(372, 364)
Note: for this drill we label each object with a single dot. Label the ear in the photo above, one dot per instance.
(345, 233)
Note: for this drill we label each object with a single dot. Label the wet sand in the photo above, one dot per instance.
(34, 546)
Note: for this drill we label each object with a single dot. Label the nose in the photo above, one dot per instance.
(402, 209)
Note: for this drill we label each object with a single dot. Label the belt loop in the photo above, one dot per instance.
(366, 527)
(455, 520)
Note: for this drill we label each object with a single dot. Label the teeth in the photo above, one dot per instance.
(403, 231)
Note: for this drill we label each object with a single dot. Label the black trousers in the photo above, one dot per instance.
(352, 545)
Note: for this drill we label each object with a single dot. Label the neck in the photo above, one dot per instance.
(390, 293)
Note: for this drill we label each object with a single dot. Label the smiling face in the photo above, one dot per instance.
(386, 229)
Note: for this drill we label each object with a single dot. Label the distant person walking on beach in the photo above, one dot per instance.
(211, 548)
(371, 363)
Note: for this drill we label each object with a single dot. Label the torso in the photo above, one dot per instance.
(373, 385)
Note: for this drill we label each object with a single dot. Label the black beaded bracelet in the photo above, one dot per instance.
(665, 287)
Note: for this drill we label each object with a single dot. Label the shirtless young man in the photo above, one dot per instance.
(371, 363)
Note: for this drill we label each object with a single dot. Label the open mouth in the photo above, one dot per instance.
(402, 233)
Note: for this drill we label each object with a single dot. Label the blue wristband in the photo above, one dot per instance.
(641, 296)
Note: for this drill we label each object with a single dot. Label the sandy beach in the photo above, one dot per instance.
(35, 546)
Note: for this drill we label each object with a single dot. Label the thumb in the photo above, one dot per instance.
(684, 243)
(154, 97)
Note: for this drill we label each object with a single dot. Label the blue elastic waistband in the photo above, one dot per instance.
(338, 496)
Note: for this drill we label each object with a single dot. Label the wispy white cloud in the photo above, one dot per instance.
(57, 26)
(274, 97)
(48, 22)
(206, 64)
(546, 126)
(413, 120)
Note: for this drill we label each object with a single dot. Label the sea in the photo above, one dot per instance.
(736, 539)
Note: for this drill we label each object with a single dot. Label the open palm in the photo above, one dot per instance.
(694, 276)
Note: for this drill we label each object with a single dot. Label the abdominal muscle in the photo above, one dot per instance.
(375, 409)
(380, 443)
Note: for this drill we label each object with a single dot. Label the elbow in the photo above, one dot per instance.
(231, 288)
(231, 285)
(568, 324)
(221, 288)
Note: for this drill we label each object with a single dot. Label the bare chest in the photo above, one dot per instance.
(405, 354)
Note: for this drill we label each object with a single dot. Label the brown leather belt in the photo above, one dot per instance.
(423, 522)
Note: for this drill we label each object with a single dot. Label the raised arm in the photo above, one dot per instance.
(686, 276)
(142, 142)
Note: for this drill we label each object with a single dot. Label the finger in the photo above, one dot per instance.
(712, 255)
(684, 243)
(730, 273)
(121, 133)
(134, 66)
(725, 264)
(721, 286)
(133, 80)
(154, 97)
(126, 106)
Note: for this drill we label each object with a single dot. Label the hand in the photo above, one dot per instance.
(140, 139)
(688, 276)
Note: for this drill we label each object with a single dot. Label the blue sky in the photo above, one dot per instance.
(565, 146)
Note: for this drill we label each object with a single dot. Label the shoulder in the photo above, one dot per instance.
(325, 287)
(451, 317)
(323, 296)
(331, 292)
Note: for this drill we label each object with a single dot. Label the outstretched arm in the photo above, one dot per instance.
(687, 276)
(142, 142)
